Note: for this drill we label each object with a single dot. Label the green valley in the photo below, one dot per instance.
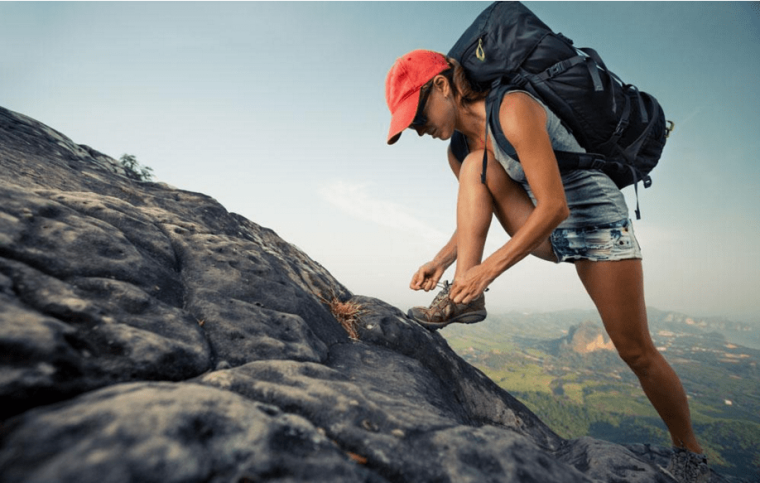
(563, 367)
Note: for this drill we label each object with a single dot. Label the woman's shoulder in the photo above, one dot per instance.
(519, 103)
(513, 100)
(520, 113)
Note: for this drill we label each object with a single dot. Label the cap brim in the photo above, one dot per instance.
(403, 116)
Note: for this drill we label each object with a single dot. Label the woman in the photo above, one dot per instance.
(579, 217)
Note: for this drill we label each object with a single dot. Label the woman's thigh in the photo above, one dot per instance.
(617, 289)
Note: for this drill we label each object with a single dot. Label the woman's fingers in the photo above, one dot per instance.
(420, 280)
(469, 286)
(426, 278)
(430, 284)
(417, 282)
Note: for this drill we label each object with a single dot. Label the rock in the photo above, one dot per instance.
(604, 461)
(170, 433)
(149, 335)
(588, 337)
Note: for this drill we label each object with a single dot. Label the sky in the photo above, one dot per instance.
(277, 110)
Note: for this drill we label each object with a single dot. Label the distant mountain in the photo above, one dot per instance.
(549, 325)
(588, 337)
(583, 338)
(742, 333)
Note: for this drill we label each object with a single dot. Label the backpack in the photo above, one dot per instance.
(622, 129)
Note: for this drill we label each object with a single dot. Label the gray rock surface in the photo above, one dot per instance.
(146, 334)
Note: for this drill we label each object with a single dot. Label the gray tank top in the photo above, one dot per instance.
(593, 198)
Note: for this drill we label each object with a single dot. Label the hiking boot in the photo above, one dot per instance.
(443, 311)
(688, 467)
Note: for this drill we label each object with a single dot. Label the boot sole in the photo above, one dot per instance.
(468, 318)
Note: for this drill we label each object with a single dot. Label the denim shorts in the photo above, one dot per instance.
(608, 242)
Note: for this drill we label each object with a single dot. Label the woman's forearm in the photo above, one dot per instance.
(537, 228)
(448, 254)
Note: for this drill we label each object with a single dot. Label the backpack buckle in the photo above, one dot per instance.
(591, 161)
(518, 80)
(556, 69)
(621, 127)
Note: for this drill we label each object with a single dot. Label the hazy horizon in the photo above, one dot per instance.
(277, 110)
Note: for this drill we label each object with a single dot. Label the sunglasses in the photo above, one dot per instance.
(420, 119)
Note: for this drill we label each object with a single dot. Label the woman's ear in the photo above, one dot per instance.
(441, 83)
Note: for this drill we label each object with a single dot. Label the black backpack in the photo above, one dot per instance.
(622, 129)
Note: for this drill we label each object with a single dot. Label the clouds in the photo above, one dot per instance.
(356, 200)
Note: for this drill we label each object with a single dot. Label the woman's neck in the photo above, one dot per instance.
(471, 122)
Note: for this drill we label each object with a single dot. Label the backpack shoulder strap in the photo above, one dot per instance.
(493, 106)
(459, 146)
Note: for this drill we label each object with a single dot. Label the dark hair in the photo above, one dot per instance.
(461, 84)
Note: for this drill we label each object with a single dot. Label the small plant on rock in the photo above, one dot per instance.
(134, 170)
(346, 313)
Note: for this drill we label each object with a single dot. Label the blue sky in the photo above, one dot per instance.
(277, 110)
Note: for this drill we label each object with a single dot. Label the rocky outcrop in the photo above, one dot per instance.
(588, 337)
(149, 335)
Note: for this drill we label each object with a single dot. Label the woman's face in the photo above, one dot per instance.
(435, 114)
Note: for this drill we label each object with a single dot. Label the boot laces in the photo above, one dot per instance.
(443, 296)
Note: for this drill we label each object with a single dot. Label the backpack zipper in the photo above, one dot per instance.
(479, 52)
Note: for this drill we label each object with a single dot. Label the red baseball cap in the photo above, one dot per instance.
(403, 84)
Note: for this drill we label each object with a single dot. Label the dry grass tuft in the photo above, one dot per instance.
(347, 313)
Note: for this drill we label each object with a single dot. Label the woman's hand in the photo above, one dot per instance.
(427, 277)
(471, 284)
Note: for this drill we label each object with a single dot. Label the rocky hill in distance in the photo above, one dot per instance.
(147, 334)
(584, 338)
(587, 338)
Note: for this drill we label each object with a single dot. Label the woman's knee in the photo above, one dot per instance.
(472, 166)
(638, 355)
(496, 179)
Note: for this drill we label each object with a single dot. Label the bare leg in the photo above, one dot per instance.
(617, 289)
(476, 204)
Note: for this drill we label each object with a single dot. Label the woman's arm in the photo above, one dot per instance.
(523, 121)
